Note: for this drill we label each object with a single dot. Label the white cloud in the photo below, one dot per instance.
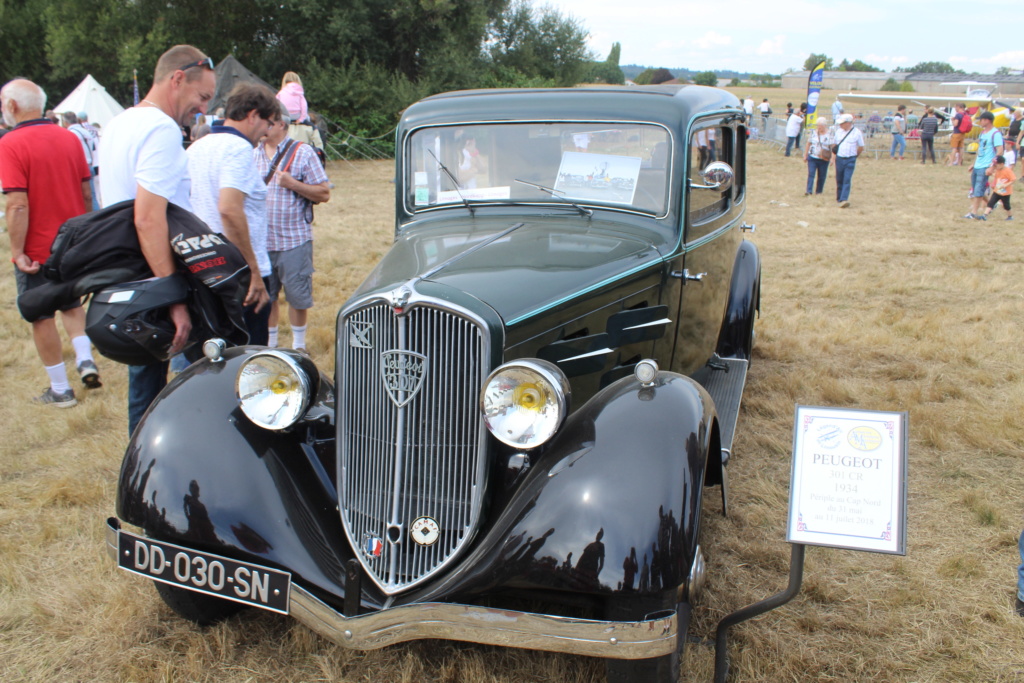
(711, 39)
(771, 46)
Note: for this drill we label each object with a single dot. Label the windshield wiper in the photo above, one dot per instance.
(557, 194)
(455, 183)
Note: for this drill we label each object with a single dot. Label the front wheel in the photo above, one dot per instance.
(198, 608)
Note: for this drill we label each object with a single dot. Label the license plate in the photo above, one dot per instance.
(243, 582)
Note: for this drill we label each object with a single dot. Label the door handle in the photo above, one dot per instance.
(685, 274)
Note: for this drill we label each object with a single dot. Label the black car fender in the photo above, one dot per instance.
(736, 335)
(198, 473)
(611, 506)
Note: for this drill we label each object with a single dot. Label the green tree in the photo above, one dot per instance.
(815, 59)
(1004, 71)
(934, 68)
(906, 86)
(858, 65)
(23, 33)
(706, 78)
(539, 42)
(644, 77)
(607, 71)
(890, 85)
(735, 82)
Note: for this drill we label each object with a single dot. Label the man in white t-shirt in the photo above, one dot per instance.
(748, 108)
(229, 194)
(142, 158)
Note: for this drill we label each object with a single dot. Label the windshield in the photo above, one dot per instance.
(613, 165)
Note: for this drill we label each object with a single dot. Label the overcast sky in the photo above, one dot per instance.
(771, 37)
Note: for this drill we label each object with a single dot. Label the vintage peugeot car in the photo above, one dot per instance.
(532, 391)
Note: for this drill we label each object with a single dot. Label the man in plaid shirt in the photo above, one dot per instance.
(295, 181)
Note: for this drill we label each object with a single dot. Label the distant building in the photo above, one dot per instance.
(847, 81)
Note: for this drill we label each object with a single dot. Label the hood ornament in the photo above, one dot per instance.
(398, 299)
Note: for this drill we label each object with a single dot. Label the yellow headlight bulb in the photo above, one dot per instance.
(529, 396)
(280, 385)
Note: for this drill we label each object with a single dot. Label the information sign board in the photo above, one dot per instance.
(848, 486)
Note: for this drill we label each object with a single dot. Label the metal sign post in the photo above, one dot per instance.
(848, 490)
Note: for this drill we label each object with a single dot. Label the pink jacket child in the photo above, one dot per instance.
(292, 96)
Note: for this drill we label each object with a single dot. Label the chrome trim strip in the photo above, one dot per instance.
(599, 352)
(663, 321)
(611, 639)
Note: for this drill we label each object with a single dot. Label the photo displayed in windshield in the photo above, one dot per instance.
(625, 166)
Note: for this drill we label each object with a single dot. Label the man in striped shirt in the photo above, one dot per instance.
(295, 181)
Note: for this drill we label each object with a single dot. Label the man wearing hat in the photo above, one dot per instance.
(990, 145)
(851, 144)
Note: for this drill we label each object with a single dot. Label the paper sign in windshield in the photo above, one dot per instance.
(848, 488)
(474, 195)
(605, 178)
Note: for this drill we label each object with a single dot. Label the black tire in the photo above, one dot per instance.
(664, 669)
(201, 609)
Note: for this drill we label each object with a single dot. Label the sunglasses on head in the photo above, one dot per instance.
(205, 61)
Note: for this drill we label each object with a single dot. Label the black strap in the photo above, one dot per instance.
(277, 160)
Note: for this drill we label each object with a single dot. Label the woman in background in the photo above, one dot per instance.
(929, 126)
(293, 97)
(820, 139)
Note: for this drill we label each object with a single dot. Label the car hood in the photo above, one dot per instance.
(519, 266)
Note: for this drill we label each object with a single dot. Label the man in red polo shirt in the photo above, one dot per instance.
(46, 181)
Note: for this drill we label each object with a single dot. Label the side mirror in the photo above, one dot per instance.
(718, 175)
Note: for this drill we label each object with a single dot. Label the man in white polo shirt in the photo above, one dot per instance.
(229, 194)
(851, 145)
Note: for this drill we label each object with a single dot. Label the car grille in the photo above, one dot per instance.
(411, 440)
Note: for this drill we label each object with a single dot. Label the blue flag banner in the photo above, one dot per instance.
(813, 93)
(135, 95)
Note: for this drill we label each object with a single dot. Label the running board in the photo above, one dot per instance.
(724, 379)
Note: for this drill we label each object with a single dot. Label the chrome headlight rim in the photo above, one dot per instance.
(551, 375)
(294, 363)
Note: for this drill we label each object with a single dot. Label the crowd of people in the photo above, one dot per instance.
(250, 175)
(992, 171)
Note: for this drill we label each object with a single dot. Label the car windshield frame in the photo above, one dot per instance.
(571, 160)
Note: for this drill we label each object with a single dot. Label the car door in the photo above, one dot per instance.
(711, 237)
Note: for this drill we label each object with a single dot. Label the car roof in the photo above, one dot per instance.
(671, 105)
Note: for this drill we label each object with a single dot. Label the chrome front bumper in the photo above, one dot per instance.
(651, 637)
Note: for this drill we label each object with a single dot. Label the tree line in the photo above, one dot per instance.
(361, 62)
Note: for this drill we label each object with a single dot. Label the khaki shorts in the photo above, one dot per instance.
(956, 140)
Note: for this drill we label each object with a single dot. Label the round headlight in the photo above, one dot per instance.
(273, 390)
(524, 402)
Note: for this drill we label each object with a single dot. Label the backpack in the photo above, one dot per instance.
(966, 123)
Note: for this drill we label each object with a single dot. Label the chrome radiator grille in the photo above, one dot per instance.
(411, 441)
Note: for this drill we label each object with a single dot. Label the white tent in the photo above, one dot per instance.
(92, 98)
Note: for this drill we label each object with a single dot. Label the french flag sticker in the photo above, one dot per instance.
(373, 546)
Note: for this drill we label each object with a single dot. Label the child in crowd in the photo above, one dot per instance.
(1002, 186)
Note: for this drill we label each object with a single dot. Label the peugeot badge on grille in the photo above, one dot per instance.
(402, 372)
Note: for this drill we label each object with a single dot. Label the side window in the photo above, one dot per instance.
(709, 142)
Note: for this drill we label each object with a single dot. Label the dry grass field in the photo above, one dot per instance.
(893, 304)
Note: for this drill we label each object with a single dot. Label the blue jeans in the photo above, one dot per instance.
(844, 176)
(790, 143)
(898, 141)
(819, 167)
(144, 383)
(1020, 569)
